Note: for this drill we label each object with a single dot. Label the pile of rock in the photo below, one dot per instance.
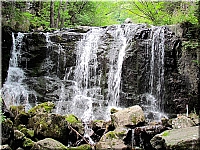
(39, 128)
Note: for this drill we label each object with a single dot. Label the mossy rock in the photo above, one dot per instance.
(18, 135)
(28, 143)
(113, 110)
(81, 147)
(27, 132)
(111, 135)
(111, 140)
(75, 123)
(72, 119)
(16, 110)
(48, 144)
(50, 125)
(45, 107)
(22, 118)
(7, 131)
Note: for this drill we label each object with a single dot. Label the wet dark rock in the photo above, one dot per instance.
(6, 44)
(7, 132)
(141, 136)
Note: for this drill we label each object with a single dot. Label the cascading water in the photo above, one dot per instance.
(15, 90)
(87, 90)
(155, 95)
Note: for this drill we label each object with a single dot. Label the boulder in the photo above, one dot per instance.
(113, 140)
(50, 125)
(5, 147)
(45, 107)
(177, 139)
(21, 117)
(128, 117)
(48, 144)
(28, 143)
(182, 122)
(7, 133)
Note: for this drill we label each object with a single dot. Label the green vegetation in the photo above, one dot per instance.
(165, 133)
(45, 107)
(111, 135)
(72, 119)
(28, 142)
(2, 117)
(81, 147)
(31, 15)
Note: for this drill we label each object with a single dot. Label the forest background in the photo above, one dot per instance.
(31, 15)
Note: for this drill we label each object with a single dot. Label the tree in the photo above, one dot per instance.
(52, 14)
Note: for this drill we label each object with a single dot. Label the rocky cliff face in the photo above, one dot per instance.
(49, 60)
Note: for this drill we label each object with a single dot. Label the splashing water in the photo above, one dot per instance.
(15, 90)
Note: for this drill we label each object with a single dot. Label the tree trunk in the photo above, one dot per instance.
(58, 18)
(63, 17)
(52, 14)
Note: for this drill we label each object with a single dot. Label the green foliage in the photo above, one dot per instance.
(2, 117)
(97, 13)
(28, 142)
(72, 118)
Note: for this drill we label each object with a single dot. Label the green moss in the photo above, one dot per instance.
(134, 119)
(17, 109)
(113, 110)
(45, 107)
(72, 119)
(111, 135)
(81, 147)
(28, 142)
(30, 133)
(165, 133)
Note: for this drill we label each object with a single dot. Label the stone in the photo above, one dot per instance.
(128, 20)
(48, 144)
(177, 139)
(21, 117)
(5, 147)
(7, 131)
(18, 140)
(128, 116)
(112, 140)
(50, 125)
(28, 143)
(182, 122)
(18, 135)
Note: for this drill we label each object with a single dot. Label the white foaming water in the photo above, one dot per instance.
(122, 37)
(14, 90)
(155, 96)
(86, 77)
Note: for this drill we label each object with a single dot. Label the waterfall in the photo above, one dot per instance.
(155, 95)
(86, 77)
(94, 82)
(14, 89)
